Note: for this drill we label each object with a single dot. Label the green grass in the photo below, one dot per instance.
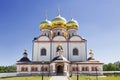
(26, 78)
(72, 78)
(94, 78)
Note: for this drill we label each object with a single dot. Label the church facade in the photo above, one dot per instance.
(59, 49)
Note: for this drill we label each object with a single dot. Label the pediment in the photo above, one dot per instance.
(43, 38)
(75, 38)
(59, 38)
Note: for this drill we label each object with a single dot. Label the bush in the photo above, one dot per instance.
(11, 68)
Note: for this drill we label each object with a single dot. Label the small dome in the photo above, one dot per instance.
(24, 59)
(72, 24)
(46, 24)
(59, 22)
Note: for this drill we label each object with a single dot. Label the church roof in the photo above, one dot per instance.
(90, 58)
(24, 59)
(59, 58)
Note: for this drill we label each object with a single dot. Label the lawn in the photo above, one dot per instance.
(72, 78)
(94, 78)
(26, 78)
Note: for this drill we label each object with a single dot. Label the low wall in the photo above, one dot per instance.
(23, 74)
(8, 74)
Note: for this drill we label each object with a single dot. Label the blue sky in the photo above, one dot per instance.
(99, 22)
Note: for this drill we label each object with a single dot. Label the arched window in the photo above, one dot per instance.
(58, 33)
(72, 34)
(46, 69)
(69, 35)
(94, 68)
(24, 69)
(75, 51)
(73, 69)
(87, 68)
(34, 69)
(43, 52)
(83, 69)
(54, 34)
(45, 34)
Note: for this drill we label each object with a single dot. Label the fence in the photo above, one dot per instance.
(8, 74)
(15, 74)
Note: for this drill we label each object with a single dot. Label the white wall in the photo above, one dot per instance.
(81, 46)
(44, 42)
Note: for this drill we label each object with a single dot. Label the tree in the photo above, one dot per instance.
(11, 68)
(112, 66)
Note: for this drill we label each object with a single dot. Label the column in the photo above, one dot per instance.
(29, 69)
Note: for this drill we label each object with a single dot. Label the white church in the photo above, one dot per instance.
(59, 49)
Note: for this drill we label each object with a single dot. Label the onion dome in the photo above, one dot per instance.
(59, 22)
(46, 24)
(72, 24)
(24, 58)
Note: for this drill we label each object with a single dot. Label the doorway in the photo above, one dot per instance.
(59, 69)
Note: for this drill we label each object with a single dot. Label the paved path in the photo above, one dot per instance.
(59, 78)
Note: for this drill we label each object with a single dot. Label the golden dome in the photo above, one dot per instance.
(58, 22)
(46, 24)
(72, 24)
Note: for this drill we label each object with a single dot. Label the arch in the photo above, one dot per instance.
(34, 69)
(60, 69)
(43, 52)
(75, 38)
(75, 51)
(43, 38)
(25, 69)
(58, 33)
(59, 38)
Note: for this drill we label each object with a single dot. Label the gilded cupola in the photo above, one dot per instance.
(59, 22)
(46, 24)
(72, 24)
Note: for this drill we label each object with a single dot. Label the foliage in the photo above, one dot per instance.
(27, 78)
(112, 66)
(11, 68)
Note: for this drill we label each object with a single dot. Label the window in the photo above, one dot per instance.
(75, 51)
(25, 69)
(34, 69)
(54, 34)
(94, 68)
(73, 69)
(86, 68)
(71, 34)
(44, 68)
(58, 33)
(83, 69)
(45, 34)
(43, 52)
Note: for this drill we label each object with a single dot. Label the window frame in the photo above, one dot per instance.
(74, 52)
(43, 53)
